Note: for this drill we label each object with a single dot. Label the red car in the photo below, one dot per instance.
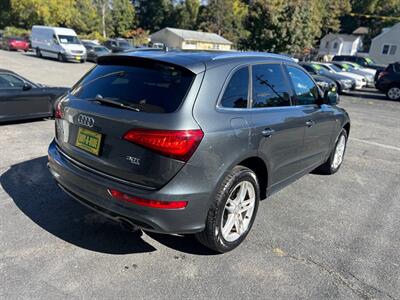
(15, 43)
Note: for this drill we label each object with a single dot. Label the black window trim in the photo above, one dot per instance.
(287, 82)
(295, 103)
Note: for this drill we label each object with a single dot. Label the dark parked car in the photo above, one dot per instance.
(118, 45)
(178, 142)
(23, 99)
(15, 43)
(95, 51)
(343, 82)
(325, 83)
(389, 81)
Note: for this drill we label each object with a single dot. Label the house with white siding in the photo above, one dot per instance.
(385, 47)
(339, 44)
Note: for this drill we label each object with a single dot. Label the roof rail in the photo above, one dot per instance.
(251, 54)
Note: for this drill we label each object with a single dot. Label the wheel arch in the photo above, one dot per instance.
(259, 167)
(347, 128)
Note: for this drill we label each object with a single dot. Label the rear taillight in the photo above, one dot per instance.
(146, 202)
(178, 144)
(58, 113)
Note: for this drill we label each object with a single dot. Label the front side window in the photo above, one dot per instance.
(306, 92)
(236, 92)
(8, 81)
(269, 86)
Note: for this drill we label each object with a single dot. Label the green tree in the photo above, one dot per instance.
(281, 26)
(185, 14)
(123, 17)
(226, 18)
(85, 19)
(154, 15)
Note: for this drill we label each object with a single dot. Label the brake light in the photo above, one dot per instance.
(58, 113)
(146, 202)
(178, 144)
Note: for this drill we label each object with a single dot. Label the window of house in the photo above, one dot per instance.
(335, 45)
(392, 50)
(385, 49)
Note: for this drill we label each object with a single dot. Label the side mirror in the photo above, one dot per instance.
(331, 97)
(26, 87)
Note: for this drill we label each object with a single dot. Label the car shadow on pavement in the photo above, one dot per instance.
(36, 194)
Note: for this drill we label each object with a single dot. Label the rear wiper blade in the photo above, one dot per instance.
(115, 103)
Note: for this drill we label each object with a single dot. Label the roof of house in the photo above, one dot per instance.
(361, 30)
(343, 37)
(387, 30)
(191, 35)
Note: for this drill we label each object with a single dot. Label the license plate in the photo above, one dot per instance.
(78, 58)
(89, 141)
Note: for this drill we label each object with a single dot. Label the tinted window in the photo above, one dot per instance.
(396, 67)
(8, 81)
(236, 92)
(150, 87)
(269, 86)
(305, 89)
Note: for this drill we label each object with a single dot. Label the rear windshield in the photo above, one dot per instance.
(153, 87)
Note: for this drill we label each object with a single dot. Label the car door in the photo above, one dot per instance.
(19, 99)
(277, 126)
(318, 119)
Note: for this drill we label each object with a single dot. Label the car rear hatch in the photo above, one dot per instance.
(127, 119)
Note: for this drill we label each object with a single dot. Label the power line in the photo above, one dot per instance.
(374, 16)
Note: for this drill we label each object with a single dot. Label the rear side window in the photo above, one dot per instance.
(396, 67)
(236, 92)
(149, 87)
(269, 86)
(305, 89)
(10, 82)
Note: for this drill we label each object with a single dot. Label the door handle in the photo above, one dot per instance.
(310, 123)
(267, 132)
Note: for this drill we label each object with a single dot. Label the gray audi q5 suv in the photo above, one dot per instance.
(181, 143)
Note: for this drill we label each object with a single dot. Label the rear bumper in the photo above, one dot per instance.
(91, 189)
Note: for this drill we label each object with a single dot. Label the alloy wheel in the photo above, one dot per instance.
(339, 152)
(238, 211)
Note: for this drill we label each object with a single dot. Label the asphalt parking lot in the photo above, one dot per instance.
(322, 237)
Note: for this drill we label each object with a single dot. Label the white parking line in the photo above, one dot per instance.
(376, 144)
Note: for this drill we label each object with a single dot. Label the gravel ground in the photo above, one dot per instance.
(322, 237)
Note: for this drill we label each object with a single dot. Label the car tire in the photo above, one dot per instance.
(335, 160)
(60, 57)
(393, 93)
(38, 53)
(230, 220)
(82, 61)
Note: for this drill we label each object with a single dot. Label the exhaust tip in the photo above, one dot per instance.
(127, 225)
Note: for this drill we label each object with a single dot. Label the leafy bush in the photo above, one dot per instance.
(14, 31)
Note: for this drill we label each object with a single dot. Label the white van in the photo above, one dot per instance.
(57, 42)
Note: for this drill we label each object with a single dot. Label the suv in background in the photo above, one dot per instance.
(388, 81)
(189, 143)
(118, 45)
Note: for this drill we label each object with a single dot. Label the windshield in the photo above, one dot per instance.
(124, 44)
(101, 49)
(152, 87)
(335, 68)
(69, 39)
(369, 61)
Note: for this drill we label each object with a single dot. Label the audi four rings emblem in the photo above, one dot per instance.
(86, 120)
